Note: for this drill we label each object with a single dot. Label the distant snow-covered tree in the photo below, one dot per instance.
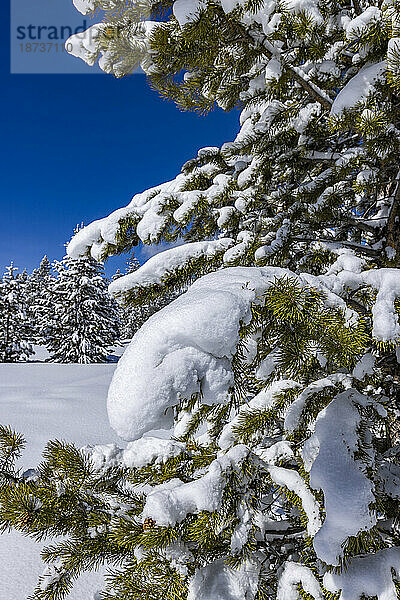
(15, 341)
(85, 317)
(40, 300)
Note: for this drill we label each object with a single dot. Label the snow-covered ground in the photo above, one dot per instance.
(49, 401)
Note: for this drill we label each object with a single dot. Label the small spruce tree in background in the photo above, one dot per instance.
(15, 341)
(40, 306)
(85, 318)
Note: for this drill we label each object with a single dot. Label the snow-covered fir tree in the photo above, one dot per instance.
(15, 340)
(275, 377)
(85, 321)
(39, 290)
(29, 321)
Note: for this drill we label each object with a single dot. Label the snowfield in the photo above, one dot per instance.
(49, 401)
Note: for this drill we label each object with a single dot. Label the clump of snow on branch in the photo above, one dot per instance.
(172, 505)
(386, 282)
(359, 87)
(217, 581)
(146, 209)
(158, 266)
(295, 483)
(329, 457)
(264, 399)
(357, 26)
(140, 453)
(294, 574)
(293, 414)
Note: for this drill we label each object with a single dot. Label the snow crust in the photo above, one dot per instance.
(144, 206)
(52, 401)
(49, 401)
(329, 457)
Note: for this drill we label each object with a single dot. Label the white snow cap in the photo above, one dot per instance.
(294, 412)
(84, 6)
(148, 450)
(364, 367)
(361, 23)
(186, 11)
(84, 45)
(295, 483)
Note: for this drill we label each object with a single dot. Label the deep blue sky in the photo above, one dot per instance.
(76, 147)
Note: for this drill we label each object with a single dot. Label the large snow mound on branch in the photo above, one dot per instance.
(184, 348)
